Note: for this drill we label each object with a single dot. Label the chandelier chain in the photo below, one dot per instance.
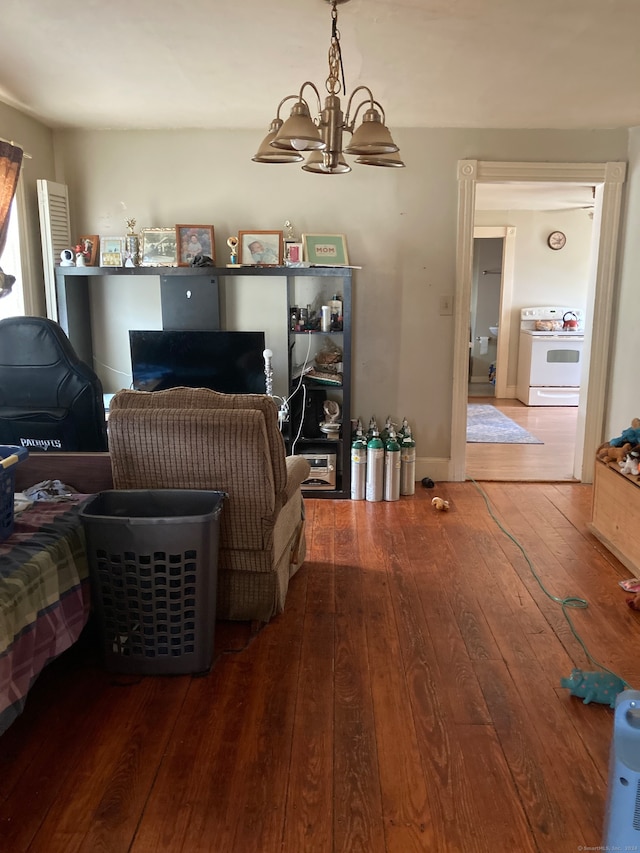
(335, 80)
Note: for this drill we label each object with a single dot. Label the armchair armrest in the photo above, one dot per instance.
(298, 470)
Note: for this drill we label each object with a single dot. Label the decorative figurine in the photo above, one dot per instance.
(232, 243)
(292, 246)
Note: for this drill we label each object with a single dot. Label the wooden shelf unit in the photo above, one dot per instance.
(202, 311)
(616, 512)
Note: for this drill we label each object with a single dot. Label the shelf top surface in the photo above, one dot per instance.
(344, 272)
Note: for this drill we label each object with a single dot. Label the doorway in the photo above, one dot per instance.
(608, 179)
(543, 277)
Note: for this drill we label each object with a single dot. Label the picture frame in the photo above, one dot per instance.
(293, 252)
(194, 240)
(90, 245)
(110, 259)
(270, 253)
(329, 250)
(109, 245)
(158, 247)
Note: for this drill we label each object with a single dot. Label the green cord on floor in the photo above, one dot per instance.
(566, 603)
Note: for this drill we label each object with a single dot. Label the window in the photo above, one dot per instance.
(10, 261)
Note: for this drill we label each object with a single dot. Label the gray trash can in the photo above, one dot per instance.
(153, 566)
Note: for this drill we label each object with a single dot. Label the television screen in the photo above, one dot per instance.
(226, 361)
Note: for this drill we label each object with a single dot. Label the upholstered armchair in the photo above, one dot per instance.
(193, 438)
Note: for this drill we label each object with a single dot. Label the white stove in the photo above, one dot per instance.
(532, 321)
(550, 356)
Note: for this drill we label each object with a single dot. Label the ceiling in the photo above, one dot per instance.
(430, 63)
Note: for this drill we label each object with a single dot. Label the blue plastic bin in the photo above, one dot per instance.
(10, 456)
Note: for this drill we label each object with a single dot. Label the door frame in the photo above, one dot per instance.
(608, 178)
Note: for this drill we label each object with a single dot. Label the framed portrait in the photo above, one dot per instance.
(293, 252)
(260, 248)
(194, 240)
(110, 259)
(326, 249)
(90, 245)
(158, 247)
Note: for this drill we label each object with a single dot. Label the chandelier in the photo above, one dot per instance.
(371, 143)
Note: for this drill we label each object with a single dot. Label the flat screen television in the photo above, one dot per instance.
(226, 361)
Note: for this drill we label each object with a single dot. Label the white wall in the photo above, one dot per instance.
(400, 226)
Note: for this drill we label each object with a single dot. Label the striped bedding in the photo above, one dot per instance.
(44, 597)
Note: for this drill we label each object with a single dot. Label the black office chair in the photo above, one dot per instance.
(49, 399)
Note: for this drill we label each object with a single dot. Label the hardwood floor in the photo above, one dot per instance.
(551, 461)
(408, 699)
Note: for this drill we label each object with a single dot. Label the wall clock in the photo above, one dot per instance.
(556, 240)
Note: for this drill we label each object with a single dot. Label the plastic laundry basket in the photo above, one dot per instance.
(153, 564)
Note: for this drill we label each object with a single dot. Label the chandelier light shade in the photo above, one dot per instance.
(299, 132)
(318, 162)
(371, 142)
(372, 137)
(380, 160)
(267, 154)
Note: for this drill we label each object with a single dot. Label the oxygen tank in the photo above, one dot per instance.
(375, 467)
(358, 467)
(407, 463)
(392, 467)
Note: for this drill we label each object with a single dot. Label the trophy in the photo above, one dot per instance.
(232, 243)
(292, 246)
(132, 245)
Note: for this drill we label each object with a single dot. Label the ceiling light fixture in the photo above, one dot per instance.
(371, 143)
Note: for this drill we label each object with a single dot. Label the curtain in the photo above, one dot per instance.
(10, 163)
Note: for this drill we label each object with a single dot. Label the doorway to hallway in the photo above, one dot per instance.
(608, 180)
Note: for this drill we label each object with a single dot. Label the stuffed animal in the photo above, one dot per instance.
(602, 687)
(629, 465)
(6, 283)
(608, 453)
(440, 504)
(631, 435)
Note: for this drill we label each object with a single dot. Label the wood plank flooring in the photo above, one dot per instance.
(551, 461)
(408, 699)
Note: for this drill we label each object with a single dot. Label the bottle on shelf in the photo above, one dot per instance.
(335, 308)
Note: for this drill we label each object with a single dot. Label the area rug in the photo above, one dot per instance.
(486, 424)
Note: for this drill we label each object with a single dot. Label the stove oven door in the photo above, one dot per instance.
(556, 361)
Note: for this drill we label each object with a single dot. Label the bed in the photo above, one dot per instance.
(44, 587)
